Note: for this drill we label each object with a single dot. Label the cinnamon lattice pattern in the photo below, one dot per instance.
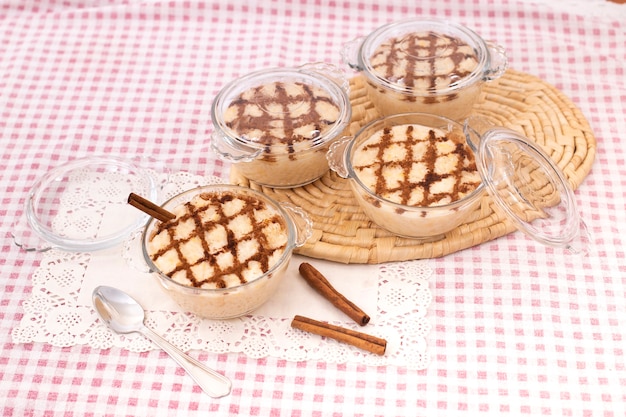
(219, 240)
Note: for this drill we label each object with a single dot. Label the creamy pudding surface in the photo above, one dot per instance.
(284, 117)
(417, 166)
(426, 62)
(219, 240)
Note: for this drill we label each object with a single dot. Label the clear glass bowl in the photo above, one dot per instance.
(418, 222)
(434, 80)
(234, 301)
(282, 160)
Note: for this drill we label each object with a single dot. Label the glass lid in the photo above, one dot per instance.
(528, 186)
(82, 205)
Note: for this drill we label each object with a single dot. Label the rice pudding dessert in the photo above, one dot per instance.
(416, 166)
(425, 70)
(419, 177)
(216, 250)
(288, 120)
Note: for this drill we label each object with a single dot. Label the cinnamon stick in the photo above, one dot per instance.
(357, 339)
(319, 282)
(150, 208)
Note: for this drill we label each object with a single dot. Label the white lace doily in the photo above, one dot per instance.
(57, 313)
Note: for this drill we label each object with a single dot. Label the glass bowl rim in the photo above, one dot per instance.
(381, 33)
(284, 257)
(243, 83)
(476, 193)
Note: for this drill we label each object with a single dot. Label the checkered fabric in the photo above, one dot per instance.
(518, 328)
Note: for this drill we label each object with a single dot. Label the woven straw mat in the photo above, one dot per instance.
(519, 101)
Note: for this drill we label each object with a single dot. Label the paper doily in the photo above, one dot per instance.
(53, 314)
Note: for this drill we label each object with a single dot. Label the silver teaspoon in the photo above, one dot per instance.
(124, 314)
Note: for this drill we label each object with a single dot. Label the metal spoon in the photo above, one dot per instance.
(124, 314)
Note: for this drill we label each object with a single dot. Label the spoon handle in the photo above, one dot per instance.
(212, 382)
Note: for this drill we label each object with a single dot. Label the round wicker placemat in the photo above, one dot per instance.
(522, 102)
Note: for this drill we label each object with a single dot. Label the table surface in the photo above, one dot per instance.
(517, 328)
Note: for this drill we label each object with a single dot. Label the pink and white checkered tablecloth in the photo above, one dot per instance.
(517, 328)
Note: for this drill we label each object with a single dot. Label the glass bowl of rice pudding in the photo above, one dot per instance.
(275, 125)
(226, 251)
(425, 65)
(413, 174)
